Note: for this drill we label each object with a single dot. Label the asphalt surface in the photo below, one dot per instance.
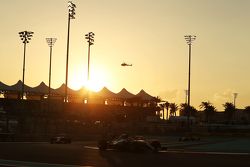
(80, 154)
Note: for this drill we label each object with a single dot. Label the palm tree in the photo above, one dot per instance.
(167, 104)
(229, 110)
(185, 109)
(162, 106)
(173, 108)
(208, 109)
(247, 110)
(193, 111)
(155, 101)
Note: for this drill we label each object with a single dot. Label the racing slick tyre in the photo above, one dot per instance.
(156, 145)
(102, 145)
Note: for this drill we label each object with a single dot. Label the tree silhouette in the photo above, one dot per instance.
(185, 109)
(247, 110)
(229, 110)
(173, 108)
(208, 109)
(155, 101)
(167, 104)
(162, 106)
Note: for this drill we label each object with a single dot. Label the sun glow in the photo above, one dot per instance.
(94, 85)
(75, 83)
(96, 82)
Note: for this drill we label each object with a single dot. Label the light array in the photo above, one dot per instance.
(51, 41)
(90, 38)
(190, 39)
(71, 7)
(26, 36)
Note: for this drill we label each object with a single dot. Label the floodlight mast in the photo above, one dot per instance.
(51, 42)
(90, 40)
(71, 15)
(189, 39)
(25, 37)
(235, 96)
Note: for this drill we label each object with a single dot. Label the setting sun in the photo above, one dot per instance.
(94, 85)
(76, 82)
(96, 82)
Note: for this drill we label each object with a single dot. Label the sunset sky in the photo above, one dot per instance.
(146, 33)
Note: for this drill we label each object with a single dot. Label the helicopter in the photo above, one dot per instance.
(125, 64)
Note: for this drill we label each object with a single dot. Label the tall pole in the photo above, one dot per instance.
(67, 63)
(189, 75)
(189, 39)
(51, 42)
(88, 60)
(186, 95)
(235, 96)
(24, 53)
(71, 13)
(90, 40)
(50, 59)
(25, 37)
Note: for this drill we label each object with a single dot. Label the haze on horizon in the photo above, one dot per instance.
(147, 33)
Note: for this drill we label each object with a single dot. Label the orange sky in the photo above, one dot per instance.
(147, 33)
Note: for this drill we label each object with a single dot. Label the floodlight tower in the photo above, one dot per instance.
(71, 15)
(25, 37)
(90, 40)
(189, 39)
(235, 96)
(51, 42)
(186, 95)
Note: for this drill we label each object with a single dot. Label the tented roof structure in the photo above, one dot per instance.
(18, 86)
(61, 90)
(124, 94)
(42, 88)
(82, 92)
(105, 93)
(144, 96)
(3, 86)
(15, 88)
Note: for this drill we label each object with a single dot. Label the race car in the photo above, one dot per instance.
(130, 144)
(60, 139)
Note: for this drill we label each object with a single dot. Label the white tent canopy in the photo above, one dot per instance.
(104, 93)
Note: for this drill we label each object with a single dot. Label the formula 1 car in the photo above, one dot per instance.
(130, 144)
(60, 139)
